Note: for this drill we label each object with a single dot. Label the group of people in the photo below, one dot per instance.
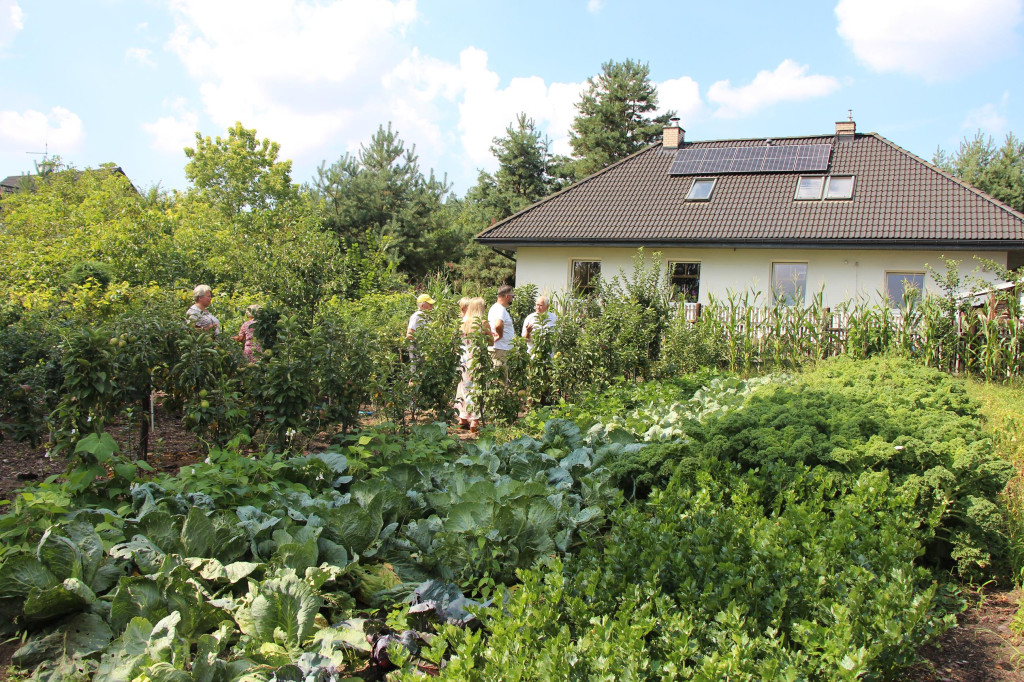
(498, 324)
(200, 317)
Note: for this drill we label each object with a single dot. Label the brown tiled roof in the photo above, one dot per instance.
(12, 183)
(899, 200)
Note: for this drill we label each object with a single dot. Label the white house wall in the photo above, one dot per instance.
(841, 274)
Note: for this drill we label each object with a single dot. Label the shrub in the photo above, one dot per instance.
(90, 269)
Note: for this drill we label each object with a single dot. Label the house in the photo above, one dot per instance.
(14, 183)
(848, 214)
(10, 184)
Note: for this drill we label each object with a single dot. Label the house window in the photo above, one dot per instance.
(684, 278)
(840, 187)
(701, 189)
(789, 282)
(808, 188)
(585, 274)
(904, 288)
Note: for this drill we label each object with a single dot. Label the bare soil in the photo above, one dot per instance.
(982, 648)
(170, 448)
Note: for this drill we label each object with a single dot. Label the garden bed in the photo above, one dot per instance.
(816, 517)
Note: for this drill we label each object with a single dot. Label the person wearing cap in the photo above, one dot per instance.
(423, 303)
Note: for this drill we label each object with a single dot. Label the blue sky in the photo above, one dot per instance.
(131, 81)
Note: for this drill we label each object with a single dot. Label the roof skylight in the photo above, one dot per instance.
(701, 189)
(808, 188)
(840, 187)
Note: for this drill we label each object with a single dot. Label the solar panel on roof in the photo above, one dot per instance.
(687, 161)
(780, 159)
(813, 157)
(774, 159)
(748, 160)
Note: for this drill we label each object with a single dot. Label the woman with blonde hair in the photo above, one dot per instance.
(474, 318)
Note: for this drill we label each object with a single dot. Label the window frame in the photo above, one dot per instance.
(828, 188)
(693, 185)
(894, 304)
(821, 187)
(589, 286)
(801, 290)
(669, 268)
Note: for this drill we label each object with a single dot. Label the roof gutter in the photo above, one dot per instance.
(916, 244)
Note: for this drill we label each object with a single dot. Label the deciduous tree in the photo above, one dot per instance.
(67, 216)
(239, 173)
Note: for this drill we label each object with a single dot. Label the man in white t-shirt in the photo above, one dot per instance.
(502, 329)
(543, 318)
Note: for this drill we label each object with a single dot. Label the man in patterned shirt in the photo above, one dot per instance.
(198, 315)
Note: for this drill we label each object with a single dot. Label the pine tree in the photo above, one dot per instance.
(997, 171)
(527, 172)
(613, 120)
(380, 196)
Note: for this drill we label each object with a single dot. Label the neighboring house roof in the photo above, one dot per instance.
(13, 183)
(899, 201)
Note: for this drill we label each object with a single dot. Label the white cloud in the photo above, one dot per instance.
(425, 88)
(487, 110)
(32, 131)
(595, 6)
(335, 71)
(934, 39)
(682, 95)
(171, 134)
(12, 20)
(788, 82)
(297, 71)
(990, 119)
(140, 56)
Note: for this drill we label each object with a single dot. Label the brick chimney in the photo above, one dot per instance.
(673, 135)
(845, 130)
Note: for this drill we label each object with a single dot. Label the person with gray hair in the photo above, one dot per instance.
(543, 319)
(198, 315)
